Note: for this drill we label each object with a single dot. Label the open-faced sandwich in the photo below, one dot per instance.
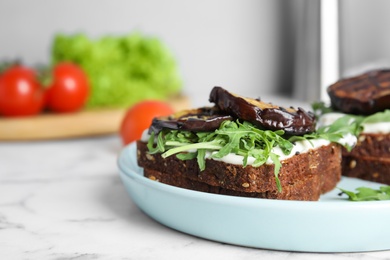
(364, 99)
(244, 147)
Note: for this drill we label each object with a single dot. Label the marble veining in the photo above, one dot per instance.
(64, 200)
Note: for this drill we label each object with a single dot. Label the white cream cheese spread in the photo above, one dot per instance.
(303, 146)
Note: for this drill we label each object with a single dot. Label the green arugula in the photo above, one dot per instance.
(367, 194)
(337, 131)
(378, 117)
(320, 108)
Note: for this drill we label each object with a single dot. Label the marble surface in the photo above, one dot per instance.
(64, 200)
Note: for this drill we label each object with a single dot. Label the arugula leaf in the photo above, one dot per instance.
(378, 117)
(201, 159)
(345, 126)
(367, 194)
(186, 156)
(278, 165)
(150, 144)
(320, 108)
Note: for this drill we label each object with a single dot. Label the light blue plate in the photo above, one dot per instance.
(332, 224)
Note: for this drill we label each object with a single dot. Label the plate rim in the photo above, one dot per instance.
(153, 198)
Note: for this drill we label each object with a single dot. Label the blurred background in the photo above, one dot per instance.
(251, 47)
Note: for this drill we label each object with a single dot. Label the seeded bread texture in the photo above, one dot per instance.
(369, 159)
(367, 168)
(371, 145)
(304, 189)
(303, 177)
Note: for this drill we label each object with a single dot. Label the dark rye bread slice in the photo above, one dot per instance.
(323, 162)
(371, 145)
(305, 189)
(369, 159)
(374, 169)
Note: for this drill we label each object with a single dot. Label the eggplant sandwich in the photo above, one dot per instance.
(365, 100)
(244, 147)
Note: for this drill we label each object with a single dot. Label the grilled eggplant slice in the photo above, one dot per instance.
(364, 94)
(195, 120)
(265, 115)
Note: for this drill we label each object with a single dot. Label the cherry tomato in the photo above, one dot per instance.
(139, 117)
(69, 89)
(20, 92)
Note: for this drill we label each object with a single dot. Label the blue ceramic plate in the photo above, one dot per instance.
(332, 224)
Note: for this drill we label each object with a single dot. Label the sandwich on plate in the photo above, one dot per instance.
(245, 147)
(365, 100)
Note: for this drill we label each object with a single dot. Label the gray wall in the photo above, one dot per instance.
(364, 35)
(254, 47)
(232, 43)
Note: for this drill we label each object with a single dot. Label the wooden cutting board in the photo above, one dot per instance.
(85, 123)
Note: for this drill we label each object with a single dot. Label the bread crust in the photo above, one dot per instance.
(371, 145)
(305, 189)
(367, 168)
(303, 177)
(369, 159)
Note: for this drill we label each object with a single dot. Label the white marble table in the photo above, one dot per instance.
(65, 200)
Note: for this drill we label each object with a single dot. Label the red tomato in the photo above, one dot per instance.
(139, 117)
(69, 89)
(20, 92)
